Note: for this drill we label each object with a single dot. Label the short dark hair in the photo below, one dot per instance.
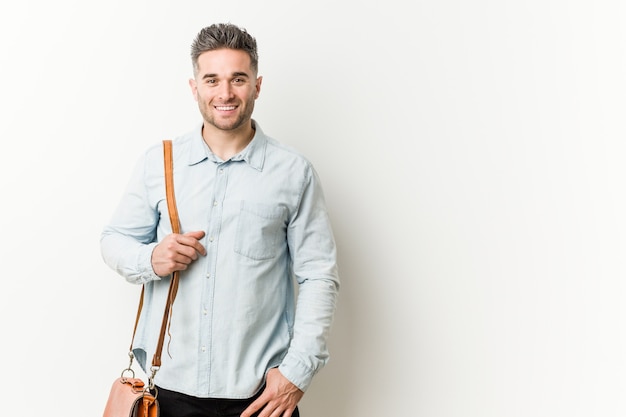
(224, 35)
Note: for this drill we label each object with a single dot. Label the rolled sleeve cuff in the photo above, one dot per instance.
(146, 273)
(296, 373)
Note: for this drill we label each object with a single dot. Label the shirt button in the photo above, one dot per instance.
(221, 171)
(205, 312)
(211, 239)
(204, 348)
(208, 275)
(214, 203)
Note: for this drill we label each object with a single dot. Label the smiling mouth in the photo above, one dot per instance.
(225, 108)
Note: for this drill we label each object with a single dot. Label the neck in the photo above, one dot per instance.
(226, 144)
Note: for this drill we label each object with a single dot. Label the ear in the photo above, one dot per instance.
(194, 88)
(259, 80)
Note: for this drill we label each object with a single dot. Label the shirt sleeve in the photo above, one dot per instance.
(313, 251)
(127, 241)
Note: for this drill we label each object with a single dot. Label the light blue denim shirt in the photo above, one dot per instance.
(235, 315)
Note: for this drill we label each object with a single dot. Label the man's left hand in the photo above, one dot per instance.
(279, 398)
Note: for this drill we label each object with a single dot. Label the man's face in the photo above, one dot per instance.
(225, 87)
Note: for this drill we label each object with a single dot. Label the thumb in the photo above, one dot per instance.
(197, 234)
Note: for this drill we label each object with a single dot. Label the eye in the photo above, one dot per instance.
(239, 80)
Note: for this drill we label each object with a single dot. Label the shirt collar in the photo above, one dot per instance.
(253, 154)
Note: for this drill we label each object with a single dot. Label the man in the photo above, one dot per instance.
(253, 223)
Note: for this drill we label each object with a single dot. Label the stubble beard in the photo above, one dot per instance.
(227, 125)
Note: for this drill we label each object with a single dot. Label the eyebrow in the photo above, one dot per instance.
(234, 74)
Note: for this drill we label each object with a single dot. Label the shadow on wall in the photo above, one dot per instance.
(329, 394)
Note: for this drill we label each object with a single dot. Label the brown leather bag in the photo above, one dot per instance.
(129, 397)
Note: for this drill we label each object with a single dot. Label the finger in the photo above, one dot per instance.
(275, 410)
(182, 258)
(289, 412)
(191, 240)
(256, 405)
(270, 411)
(196, 234)
(189, 248)
(183, 250)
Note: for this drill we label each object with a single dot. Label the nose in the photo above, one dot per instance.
(225, 91)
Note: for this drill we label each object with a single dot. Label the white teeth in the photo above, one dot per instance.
(225, 107)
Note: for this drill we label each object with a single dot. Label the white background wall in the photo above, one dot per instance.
(473, 159)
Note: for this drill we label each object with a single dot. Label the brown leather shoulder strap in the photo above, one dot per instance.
(174, 220)
(173, 289)
(169, 185)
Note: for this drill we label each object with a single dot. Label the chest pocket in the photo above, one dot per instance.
(260, 230)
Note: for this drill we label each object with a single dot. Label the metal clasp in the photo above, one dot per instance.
(154, 370)
(130, 367)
